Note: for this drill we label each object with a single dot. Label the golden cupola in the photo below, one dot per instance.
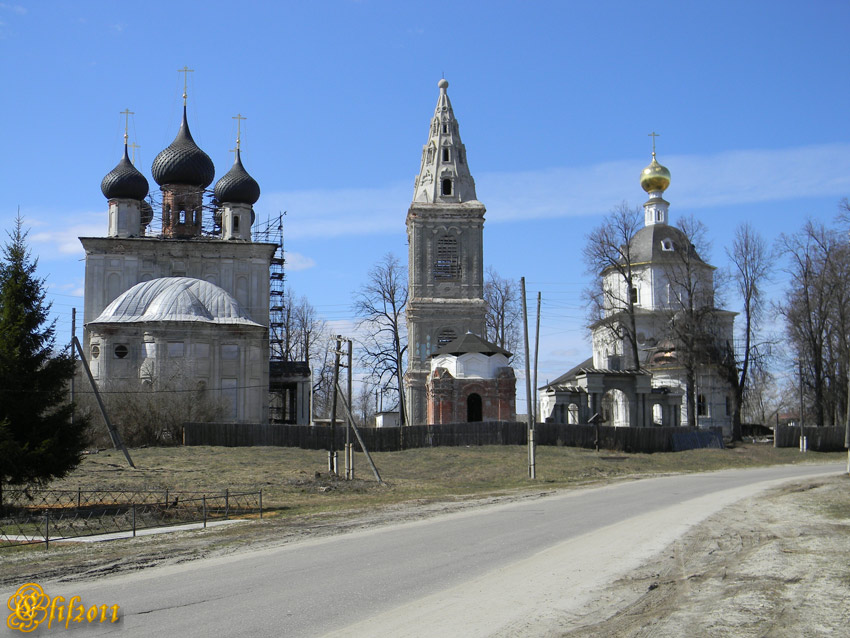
(655, 178)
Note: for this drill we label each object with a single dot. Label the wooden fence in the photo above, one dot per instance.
(819, 438)
(646, 440)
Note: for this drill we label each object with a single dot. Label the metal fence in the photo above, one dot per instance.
(45, 516)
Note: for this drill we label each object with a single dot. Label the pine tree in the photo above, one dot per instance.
(38, 441)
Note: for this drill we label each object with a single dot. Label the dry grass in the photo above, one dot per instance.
(297, 481)
(302, 499)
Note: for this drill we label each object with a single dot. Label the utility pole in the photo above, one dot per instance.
(349, 446)
(348, 449)
(73, 358)
(536, 350)
(332, 458)
(532, 472)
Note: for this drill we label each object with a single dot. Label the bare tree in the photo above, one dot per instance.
(816, 314)
(751, 264)
(694, 318)
(607, 251)
(504, 312)
(310, 332)
(380, 305)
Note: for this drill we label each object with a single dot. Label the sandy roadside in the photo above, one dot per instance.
(775, 565)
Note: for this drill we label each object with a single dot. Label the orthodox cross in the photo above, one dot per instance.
(134, 146)
(126, 113)
(653, 135)
(185, 71)
(238, 117)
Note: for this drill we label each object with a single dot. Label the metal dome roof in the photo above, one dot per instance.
(175, 299)
(183, 162)
(124, 181)
(659, 242)
(237, 186)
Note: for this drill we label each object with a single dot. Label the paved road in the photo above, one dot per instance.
(480, 572)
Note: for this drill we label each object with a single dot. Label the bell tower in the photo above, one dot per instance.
(445, 226)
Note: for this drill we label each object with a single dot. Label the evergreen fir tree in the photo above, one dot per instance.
(38, 441)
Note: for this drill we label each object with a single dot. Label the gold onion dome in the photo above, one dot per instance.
(655, 177)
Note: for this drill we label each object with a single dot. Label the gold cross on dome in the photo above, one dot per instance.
(126, 113)
(185, 71)
(134, 146)
(238, 117)
(653, 135)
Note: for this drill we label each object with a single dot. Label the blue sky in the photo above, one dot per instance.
(554, 99)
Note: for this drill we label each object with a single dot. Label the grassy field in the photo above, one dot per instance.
(297, 482)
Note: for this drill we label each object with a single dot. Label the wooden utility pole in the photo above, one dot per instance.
(117, 443)
(73, 358)
(532, 471)
(332, 458)
(536, 350)
(347, 410)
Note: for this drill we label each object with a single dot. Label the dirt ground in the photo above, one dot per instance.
(773, 566)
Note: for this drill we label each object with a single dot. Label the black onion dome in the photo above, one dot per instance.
(237, 186)
(183, 162)
(124, 181)
(146, 211)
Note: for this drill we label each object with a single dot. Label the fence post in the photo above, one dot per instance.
(261, 504)
(134, 520)
(79, 496)
(226, 503)
(204, 500)
(47, 529)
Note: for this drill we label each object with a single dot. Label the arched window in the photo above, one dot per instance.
(446, 188)
(447, 264)
(473, 408)
(236, 223)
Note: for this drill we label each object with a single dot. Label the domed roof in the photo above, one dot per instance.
(124, 181)
(182, 162)
(237, 186)
(654, 177)
(659, 242)
(146, 212)
(175, 299)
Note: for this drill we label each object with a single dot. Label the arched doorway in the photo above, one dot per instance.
(473, 408)
(615, 408)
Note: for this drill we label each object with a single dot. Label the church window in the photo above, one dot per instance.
(202, 350)
(95, 351)
(446, 335)
(445, 128)
(666, 244)
(658, 216)
(445, 155)
(633, 296)
(175, 349)
(447, 187)
(182, 217)
(197, 217)
(702, 405)
(229, 352)
(121, 351)
(236, 223)
(447, 264)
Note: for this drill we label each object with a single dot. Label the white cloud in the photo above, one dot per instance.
(14, 8)
(52, 242)
(297, 261)
(698, 181)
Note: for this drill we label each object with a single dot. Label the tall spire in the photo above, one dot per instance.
(444, 174)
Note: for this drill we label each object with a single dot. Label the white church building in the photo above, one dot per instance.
(665, 270)
(175, 308)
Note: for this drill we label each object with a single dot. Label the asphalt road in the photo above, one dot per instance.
(471, 573)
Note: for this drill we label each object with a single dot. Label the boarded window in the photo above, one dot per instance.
(447, 264)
